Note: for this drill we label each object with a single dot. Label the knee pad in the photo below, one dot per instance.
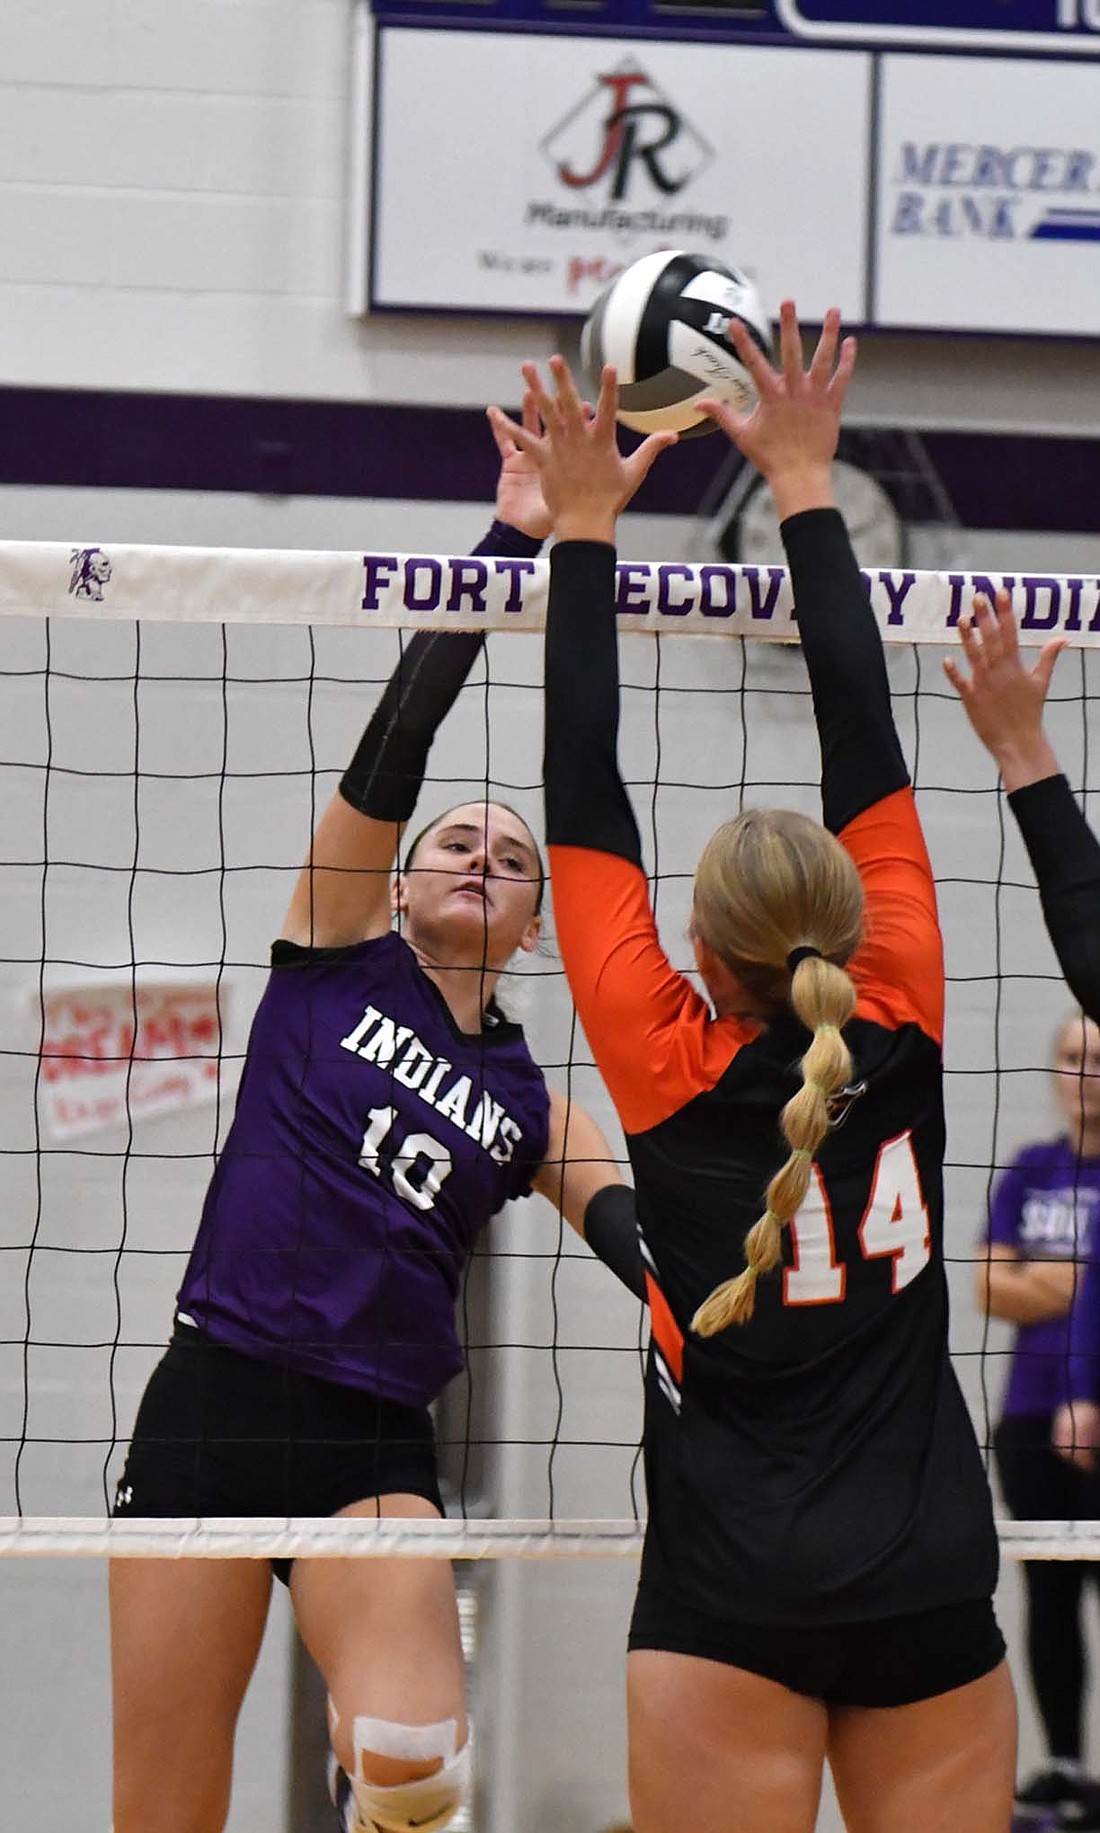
(422, 1806)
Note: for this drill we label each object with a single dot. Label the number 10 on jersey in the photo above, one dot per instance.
(895, 1226)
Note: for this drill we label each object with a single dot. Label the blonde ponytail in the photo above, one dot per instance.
(824, 998)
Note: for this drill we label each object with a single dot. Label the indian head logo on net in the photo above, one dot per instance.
(622, 158)
(91, 571)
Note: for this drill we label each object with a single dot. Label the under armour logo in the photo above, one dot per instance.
(123, 1497)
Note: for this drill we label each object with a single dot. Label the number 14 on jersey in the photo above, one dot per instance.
(895, 1226)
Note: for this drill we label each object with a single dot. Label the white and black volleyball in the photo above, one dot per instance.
(664, 324)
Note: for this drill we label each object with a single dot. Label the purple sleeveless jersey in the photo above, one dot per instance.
(1046, 1205)
(372, 1141)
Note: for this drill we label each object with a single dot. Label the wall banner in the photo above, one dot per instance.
(988, 207)
(520, 173)
(98, 1066)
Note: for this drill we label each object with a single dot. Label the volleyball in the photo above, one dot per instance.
(664, 324)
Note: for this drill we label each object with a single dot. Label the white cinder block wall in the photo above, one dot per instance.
(173, 185)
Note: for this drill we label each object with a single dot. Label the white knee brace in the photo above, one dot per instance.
(422, 1806)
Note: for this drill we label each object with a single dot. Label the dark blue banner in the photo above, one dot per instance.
(948, 19)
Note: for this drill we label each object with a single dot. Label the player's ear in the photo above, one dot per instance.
(399, 902)
(531, 936)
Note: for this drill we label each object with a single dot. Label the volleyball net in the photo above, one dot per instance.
(172, 722)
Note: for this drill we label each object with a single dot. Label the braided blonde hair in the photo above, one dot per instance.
(769, 884)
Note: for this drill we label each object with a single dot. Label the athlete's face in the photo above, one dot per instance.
(1077, 1073)
(473, 886)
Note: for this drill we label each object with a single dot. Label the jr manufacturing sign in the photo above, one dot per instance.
(520, 173)
(988, 204)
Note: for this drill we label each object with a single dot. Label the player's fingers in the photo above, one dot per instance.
(532, 421)
(641, 462)
(984, 624)
(1048, 656)
(510, 437)
(843, 373)
(569, 400)
(1008, 639)
(731, 422)
(764, 376)
(790, 347)
(971, 641)
(603, 420)
(956, 677)
(998, 635)
(498, 423)
(544, 403)
(820, 371)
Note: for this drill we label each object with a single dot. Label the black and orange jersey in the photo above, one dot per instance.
(817, 1464)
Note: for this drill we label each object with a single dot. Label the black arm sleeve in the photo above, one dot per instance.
(611, 1231)
(586, 801)
(1065, 857)
(384, 777)
(861, 757)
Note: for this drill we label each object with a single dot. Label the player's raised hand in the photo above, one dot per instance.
(520, 501)
(1003, 699)
(586, 480)
(791, 434)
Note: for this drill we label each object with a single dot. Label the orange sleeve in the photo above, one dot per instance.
(652, 1036)
(898, 969)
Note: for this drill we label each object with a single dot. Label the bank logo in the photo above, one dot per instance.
(625, 133)
(91, 572)
(1068, 226)
(955, 189)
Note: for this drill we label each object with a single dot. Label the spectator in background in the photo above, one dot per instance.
(1044, 1219)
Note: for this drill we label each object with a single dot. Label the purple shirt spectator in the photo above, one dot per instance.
(1046, 1206)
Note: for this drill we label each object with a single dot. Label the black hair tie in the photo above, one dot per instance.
(801, 954)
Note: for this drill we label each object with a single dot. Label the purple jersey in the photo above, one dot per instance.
(1045, 1207)
(372, 1141)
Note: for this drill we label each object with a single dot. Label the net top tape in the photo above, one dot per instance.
(37, 1537)
(431, 591)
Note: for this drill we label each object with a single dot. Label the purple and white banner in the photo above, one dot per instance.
(445, 592)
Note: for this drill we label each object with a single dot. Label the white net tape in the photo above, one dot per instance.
(232, 585)
(330, 1538)
(42, 1537)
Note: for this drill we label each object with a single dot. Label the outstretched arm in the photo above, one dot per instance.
(343, 892)
(581, 1178)
(1004, 702)
(586, 482)
(644, 1021)
(791, 437)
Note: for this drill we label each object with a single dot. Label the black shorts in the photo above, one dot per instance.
(893, 1662)
(220, 1433)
